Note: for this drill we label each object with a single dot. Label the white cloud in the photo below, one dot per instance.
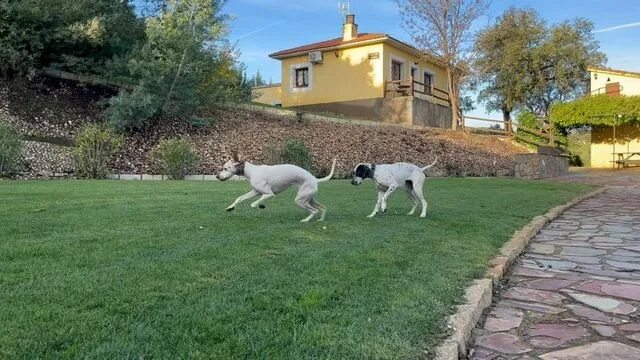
(618, 27)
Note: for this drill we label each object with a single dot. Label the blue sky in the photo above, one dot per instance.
(260, 27)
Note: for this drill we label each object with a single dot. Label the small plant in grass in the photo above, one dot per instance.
(10, 149)
(293, 151)
(94, 148)
(174, 157)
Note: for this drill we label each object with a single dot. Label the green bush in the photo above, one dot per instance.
(174, 157)
(94, 148)
(130, 110)
(293, 151)
(10, 149)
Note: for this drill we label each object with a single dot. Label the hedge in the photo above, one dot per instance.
(597, 110)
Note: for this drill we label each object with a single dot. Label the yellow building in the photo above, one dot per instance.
(610, 144)
(364, 75)
(268, 94)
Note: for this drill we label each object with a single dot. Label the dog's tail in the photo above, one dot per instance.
(428, 166)
(333, 168)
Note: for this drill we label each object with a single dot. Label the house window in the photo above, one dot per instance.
(428, 81)
(396, 70)
(302, 77)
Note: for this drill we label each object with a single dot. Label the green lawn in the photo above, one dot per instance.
(116, 269)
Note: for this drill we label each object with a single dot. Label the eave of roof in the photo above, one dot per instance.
(614, 72)
(362, 39)
(327, 45)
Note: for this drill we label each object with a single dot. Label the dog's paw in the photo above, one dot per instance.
(370, 216)
(261, 206)
(423, 216)
(230, 208)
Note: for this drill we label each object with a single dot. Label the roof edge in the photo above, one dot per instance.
(614, 71)
(329, 48)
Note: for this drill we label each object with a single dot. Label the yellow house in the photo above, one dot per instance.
(610, 144)
(364, 75)
(267, 94)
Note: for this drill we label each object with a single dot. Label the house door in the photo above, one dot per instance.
(613, 89)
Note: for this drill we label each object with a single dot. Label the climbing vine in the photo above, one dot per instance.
(597, 110)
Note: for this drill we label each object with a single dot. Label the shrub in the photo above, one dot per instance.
(174, 157)
(94, 147)
(10, 149)
(130, 110)
(294, 151)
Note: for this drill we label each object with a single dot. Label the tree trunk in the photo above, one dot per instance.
(506, 117)
(453, 98)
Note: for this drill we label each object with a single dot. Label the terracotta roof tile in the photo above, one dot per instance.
(328, 43)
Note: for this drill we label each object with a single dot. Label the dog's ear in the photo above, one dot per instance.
(234, 156)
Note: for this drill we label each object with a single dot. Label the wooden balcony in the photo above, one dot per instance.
(412, 87)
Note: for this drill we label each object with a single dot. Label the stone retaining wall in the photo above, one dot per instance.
(541, 166)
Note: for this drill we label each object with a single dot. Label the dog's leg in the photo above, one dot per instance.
(385, 196)
(262, 199)
(321, 208)
(304, 203)
(251, 194)
(417, 191)
(408, 188)
(377, 207)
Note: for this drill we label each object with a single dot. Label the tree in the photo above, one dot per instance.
(504, 63)
(257, 79)
(523, 64)
(442, 28)
(75, 35)
(185, 64)
(561, 63)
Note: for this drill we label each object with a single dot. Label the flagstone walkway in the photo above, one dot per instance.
(575, 292)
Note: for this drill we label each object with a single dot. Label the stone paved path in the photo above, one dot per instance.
(575, 293)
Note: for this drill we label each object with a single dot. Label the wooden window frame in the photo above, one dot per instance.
(429, 84)
(393, 65)
(302, 70)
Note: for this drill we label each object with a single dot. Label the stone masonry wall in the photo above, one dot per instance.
(540, 166)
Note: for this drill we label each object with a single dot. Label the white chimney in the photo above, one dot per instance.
(350, 28)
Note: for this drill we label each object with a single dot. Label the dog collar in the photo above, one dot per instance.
(240, 169)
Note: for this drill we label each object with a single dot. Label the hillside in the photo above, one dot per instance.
(54, 111)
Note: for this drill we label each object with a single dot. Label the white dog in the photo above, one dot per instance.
(267, 181)
(389, 177)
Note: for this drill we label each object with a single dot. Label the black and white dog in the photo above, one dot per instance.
(388, 177)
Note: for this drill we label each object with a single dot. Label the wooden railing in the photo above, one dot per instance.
(546, 137)
(412, 87)
(603, 90)
(506, 130)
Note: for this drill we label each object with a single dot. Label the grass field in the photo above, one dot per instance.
(117, 269)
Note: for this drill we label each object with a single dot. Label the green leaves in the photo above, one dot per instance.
(10, 149)
(523, 63)
(75, 35)
(597, 110)
(94, 148)
(174, 157)
(185, 65)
